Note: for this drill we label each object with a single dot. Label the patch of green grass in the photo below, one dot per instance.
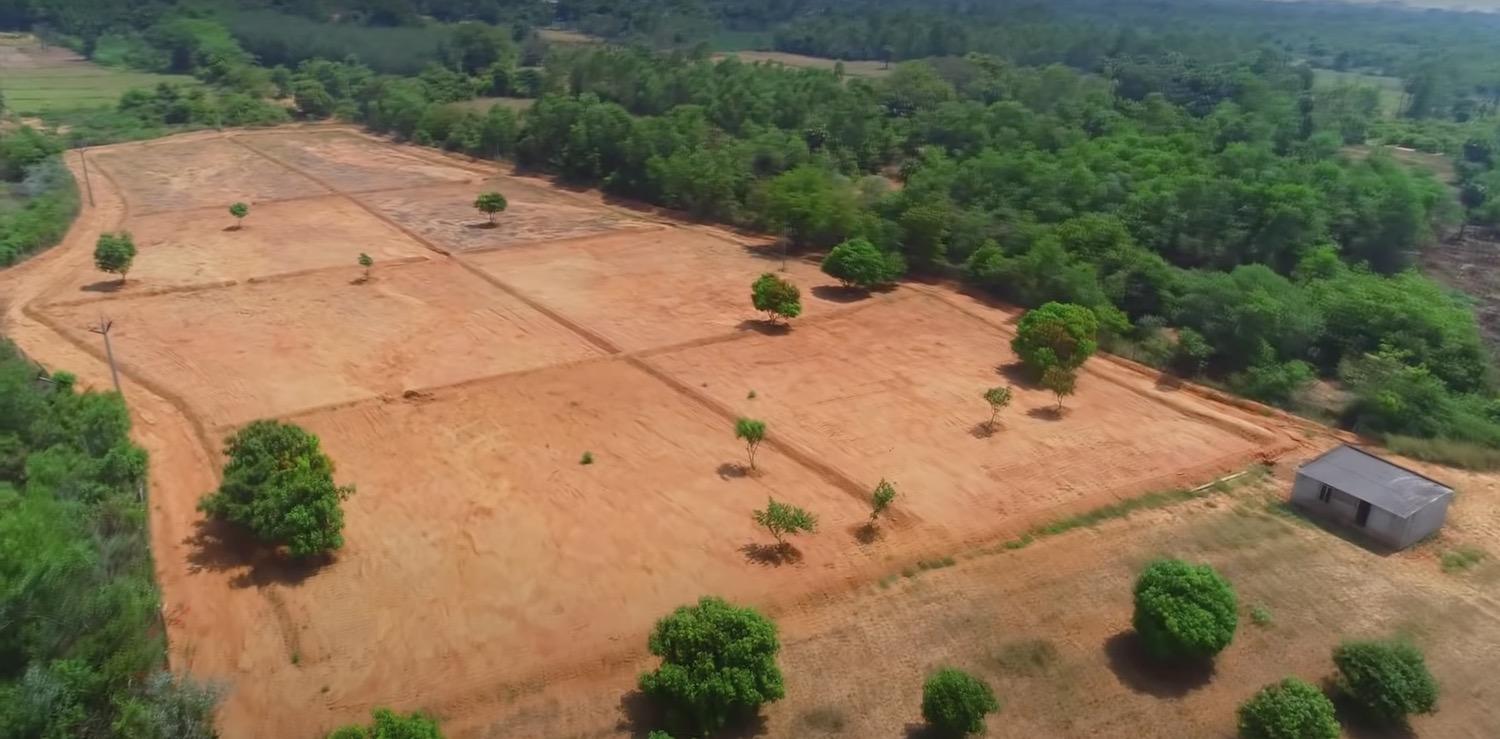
(296, 658)
(886, 581)
(1461, 454)
(1025, 657)
(74, 85)
(1260, 615)
(1462, 558)
(1389, 88)
(587, 458)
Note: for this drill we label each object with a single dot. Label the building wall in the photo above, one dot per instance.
(1427, 521)
(1342, 508)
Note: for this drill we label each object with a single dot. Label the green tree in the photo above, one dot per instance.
(391, 725)
(718, 664)
(366, 262)
(1387, 679)
(490, 203)
(881, 499)
(1184, 611)
(782, 519)
(1290, 709)
(752, 432)
(279, 485)
(954, 703)
(1056, 335)
(239, 211)
(1061, 382)
(114, 253)
(858, 263)
(998, 397)
(776, 296)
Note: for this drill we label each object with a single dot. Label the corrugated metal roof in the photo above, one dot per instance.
(1385, 485)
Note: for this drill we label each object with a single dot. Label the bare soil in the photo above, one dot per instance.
(1471, 264)
(350, 163)
(489, 576)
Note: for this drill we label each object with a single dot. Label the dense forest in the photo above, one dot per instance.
(80, 622)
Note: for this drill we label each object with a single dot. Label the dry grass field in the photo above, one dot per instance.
(492, 578)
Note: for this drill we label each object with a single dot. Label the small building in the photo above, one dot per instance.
(1386, 502)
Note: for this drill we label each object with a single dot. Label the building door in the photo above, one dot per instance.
(1363, 514)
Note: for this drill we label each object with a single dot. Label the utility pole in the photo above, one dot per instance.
(103, 330)
(87, 184)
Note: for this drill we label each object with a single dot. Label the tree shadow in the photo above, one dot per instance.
(1167, 381)
(1137, 670)
(232, 228)
(840, 293)
(1356, 720)
(103, 286)
(639, 716)
(771, 555)
(1048, 412)
(866, 533)
(983, 430)
(923, 730)
(482, 225)
(769, 328)
(219, 546)
(1018, 375)
(733, 471)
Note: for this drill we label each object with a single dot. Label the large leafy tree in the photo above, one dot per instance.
(1290, 709)
(114, 253)
(279, 484)
(858, 263)
(718, 664)
(1058, 335)
(778, 297)
(954, 703)
(1388, 680)
(1184, 611)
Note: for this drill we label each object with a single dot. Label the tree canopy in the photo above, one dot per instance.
(1290, 709)
(1057, 335)
(1184, 611)
(954, 703)
(1388, 680)
(279, 484)
(718, 664)
(776, 296)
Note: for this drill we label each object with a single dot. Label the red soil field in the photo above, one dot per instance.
(349, 162)
(201, 247)
(485, 566)
(196, 173)
(649, 290)
(270, 348)
(893, 391)
(445, 215)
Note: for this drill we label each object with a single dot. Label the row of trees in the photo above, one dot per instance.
(718, 666)
(43, 198)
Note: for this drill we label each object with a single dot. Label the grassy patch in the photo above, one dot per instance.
(587, 458)
(52, 79)
(1461, 454)
(1462, 558)
(1260, 615)
(924, 565)
(1026, 657)
(1390, 88)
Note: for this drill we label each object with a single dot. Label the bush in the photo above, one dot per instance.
(1059, 335)
(1290, 709)
(777, 297)
(955, 703)
(391, 725)
(858, 263)
(279, 484)
(1184, 611)
(718, 663)
(1388, 680)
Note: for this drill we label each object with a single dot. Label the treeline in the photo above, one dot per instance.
(1213, 224)
(38, 199)
(80, 628)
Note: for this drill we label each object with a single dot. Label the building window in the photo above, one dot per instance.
(1325, 493)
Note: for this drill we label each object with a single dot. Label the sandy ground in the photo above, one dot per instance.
(656, 289)
(1048, 627)
(351, 163)
(486, 569)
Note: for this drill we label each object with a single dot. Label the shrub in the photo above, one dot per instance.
(777, 297)
(1184, 611)
(279, 484)
(239, 211)
(718, 663)
(1059, 335)
(391, 725)
(1388, 680)
(781, 519)
(998, 398)
(881, 499)
(1061, 382)
(858, 263)
(1290, 709)
(752, 432)
(490, 203)
(955, 703)
(114, 253)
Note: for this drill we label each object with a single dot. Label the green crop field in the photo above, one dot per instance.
(1391, 88)
(37, 79)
